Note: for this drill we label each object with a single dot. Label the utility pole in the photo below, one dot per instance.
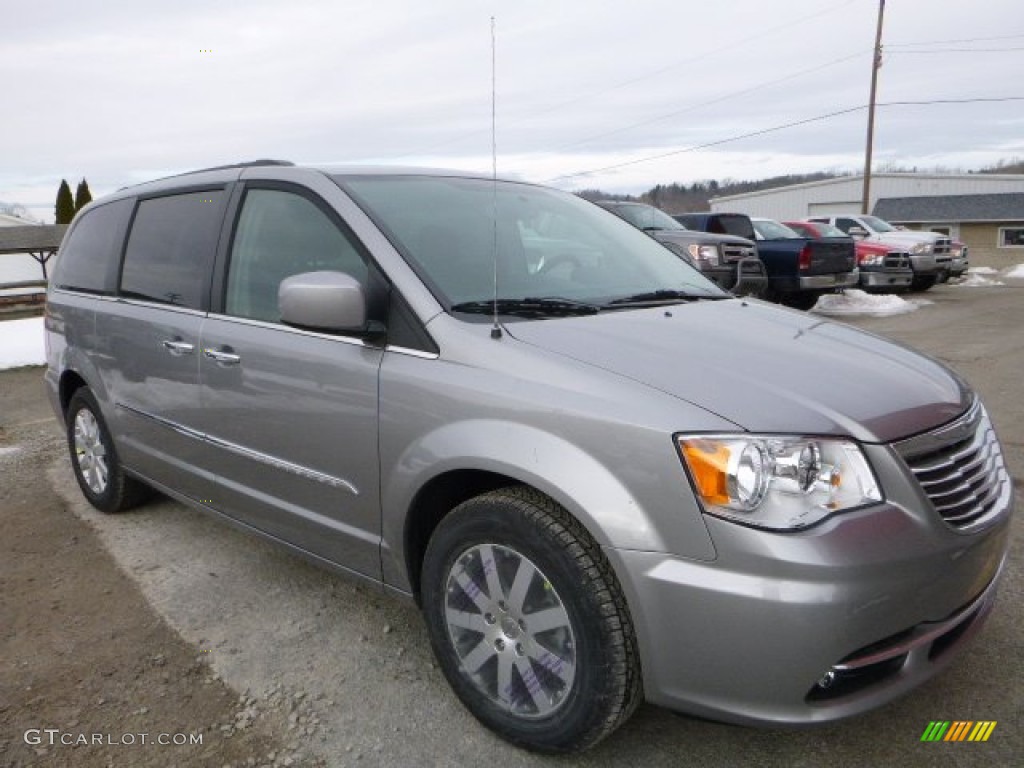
(876, 62)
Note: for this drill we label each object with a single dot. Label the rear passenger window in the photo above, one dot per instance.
(89, 259)
(171, 247)
(280, 234)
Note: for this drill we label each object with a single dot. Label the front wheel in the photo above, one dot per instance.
(923, 282)
(94, 459)
(528, 622)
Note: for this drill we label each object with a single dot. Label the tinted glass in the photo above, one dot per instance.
(646, 217)
(171, 247)
(280, 234)
(546, 243)
(89, 259)
(767, 229)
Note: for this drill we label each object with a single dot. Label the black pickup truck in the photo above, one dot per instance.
(800, 269)
(728, 261)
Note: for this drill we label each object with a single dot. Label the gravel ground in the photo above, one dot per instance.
(321, 671)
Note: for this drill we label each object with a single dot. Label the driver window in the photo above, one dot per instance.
(280, 234)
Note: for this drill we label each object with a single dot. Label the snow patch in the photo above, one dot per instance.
(857, 302)
(1016, 272)
(982, 271)
(22, 342)
(976, 280)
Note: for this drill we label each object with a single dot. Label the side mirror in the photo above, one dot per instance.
(323, 301)
(857, 232)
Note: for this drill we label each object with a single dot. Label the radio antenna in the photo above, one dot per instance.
(495, 329)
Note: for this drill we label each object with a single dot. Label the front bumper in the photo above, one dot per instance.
(786, 629)
(924, 263)
(885, 278)
(833, 280)
(958, 266)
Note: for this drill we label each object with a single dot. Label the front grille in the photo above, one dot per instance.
(943, 245)
(897, 260)
(960, 469)
(737, 252)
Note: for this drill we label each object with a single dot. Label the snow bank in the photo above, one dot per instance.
(982, 271)
(22, 343)
(1017, 272)
(856, 302)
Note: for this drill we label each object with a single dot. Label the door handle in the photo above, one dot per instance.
(177, 347)
(222, 357)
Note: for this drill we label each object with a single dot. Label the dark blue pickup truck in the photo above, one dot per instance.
(799, 269)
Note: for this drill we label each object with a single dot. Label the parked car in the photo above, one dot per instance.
(958, 264)
(799, 269)
(881, 268)
(601, 477)
(929, 251)
(730, 262)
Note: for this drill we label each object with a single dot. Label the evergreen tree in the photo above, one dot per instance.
(82, 195)
(65, 211)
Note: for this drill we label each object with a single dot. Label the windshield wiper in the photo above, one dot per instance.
(529, 307)
(662, 296)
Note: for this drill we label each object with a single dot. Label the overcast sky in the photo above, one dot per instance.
(121, 91)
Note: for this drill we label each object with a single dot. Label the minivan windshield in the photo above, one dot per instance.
(556, 253)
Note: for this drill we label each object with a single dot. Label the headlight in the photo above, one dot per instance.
(777, 482)
(872, 260)
(706, 253)
(922, 248)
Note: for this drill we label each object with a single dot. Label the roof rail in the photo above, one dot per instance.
(246, 164)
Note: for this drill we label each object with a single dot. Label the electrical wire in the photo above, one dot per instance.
(776, 128)
(956, 41)
(623, 83)
(954, 50)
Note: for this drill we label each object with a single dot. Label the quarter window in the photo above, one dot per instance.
(171, 247)
(1011, 237)
(89, 259)
(280, 234)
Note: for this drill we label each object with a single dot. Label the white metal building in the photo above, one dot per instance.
(843, 195)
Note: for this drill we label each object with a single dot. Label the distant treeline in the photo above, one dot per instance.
(677, 198)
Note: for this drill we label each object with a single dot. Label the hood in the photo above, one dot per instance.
(686, 236)
(902, 237)
(763, 368)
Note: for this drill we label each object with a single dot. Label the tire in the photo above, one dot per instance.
(804, 300)
(94, 458)
(562, 687)
(922, 282)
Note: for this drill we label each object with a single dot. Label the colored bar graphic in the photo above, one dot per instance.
(982, 730)
(958, 730)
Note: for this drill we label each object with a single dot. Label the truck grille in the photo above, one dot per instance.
(960, 469)
(737, 252)
(897, 260)
(943, 245)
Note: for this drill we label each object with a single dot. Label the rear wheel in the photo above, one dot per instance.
(94, 459)
(528, 622)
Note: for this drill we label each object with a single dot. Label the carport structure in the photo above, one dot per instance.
(40, 242)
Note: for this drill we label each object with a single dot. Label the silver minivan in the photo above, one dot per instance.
(602, 478)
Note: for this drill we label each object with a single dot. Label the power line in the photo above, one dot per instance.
(717, 100)
(776, 128)
(623, 83)
(955, 50)
(957, 41)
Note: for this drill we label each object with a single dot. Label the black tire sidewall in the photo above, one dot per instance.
(483, 521)
(108, 501)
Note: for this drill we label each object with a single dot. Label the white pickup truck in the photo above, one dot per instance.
(930, 252)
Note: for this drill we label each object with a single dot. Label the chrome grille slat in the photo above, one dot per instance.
(960, 468)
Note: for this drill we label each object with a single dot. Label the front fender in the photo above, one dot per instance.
(577, 480)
